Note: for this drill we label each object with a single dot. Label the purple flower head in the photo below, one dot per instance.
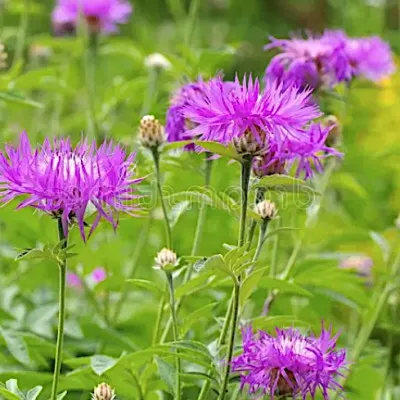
(362, 264)
(73, 280)
(99, 274)
(289, 363)
(312, 62)
(64, 181)
(275, 123)
(370, 58)
(100, 15)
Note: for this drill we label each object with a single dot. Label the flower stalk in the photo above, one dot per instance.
(61, 313)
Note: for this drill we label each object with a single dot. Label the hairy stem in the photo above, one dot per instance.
(168, 233)
(61, 313)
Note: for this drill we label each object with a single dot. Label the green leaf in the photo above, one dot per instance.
(175, 145)
(195, 317)
(9, 395)
(12, 386)
(10, 97)
(283, 321)
(250, 284)
(218, 148)
(283, 286)
(148, 285)
(177, 211)
(284, 183)
(196, 283)
(167, 374)
(346, 181)
(100, 364)
(33, 394)
(16, 346)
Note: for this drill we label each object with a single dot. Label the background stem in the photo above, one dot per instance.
(61, 313)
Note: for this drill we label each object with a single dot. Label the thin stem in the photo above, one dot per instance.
(170, 281)
(89, 64)
(137, 385)
(156, 157)
(245, 180)
(191, 21)
(61, 313)
(160, 313)
(235, 314)
(261, 239)
(260, 192)
(151, 90)
(23, 26)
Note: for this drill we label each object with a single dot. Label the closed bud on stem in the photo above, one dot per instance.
(151, 132)
(335, 134)
(166, 258)
(249, 144)
(103, 392)
(266, 209)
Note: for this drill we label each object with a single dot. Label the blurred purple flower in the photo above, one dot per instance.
(99, 274)
(313, 62)
(64, 181)
(73, 280)
(290, 364)
(362, 264)
(100, 15)
(370, 58)
(277, 120)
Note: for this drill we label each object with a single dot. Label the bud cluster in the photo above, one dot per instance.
(151, 132)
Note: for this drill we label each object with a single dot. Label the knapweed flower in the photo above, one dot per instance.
(73, 280)
(99, 274)
(289, 363)
(276, 121)
(360, 263)
(103, 392)
(370, 58)
(313, 62)
(66, 181)
(100, 15)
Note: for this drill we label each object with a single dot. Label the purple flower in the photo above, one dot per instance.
(362, 264)
(276, 122)
(64, 181)
(370, 58)
(290, 364)
(100, 15)
(312, 62)
(99, 274)
(73, 280)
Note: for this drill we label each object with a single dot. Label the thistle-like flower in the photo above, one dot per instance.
(276, 121)
(289, 363)
(65, 182)
(103, 392)
(101, 16)
(266, 209)
(313, 62)
(151, 132)
(166, 258)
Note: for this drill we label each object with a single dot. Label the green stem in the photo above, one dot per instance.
(232, 312)
(191, 21)
(197, 237)
(245, 180)
(23, 26)
(89, 64)
(137, 385)
(261, 239)
(235, 314)
(159, 318)
(170, 281)
(61, 313)
(156, 157)
(151, 90)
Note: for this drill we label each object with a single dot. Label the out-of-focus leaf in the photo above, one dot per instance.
(346, 181)
(167, 374)
(33, 394)
(10, 97)
(282, 321)
(16, 346)
(101, 364)
(284, 183)
(283, 286)
(148, 285)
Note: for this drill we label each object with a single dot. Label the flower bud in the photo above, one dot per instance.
(151, 132)
(261, 166)
(157, 61)
(3, 56)
(335, 134)
(103, 392)
(266, 209)
(166, 258)
(249, 144)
